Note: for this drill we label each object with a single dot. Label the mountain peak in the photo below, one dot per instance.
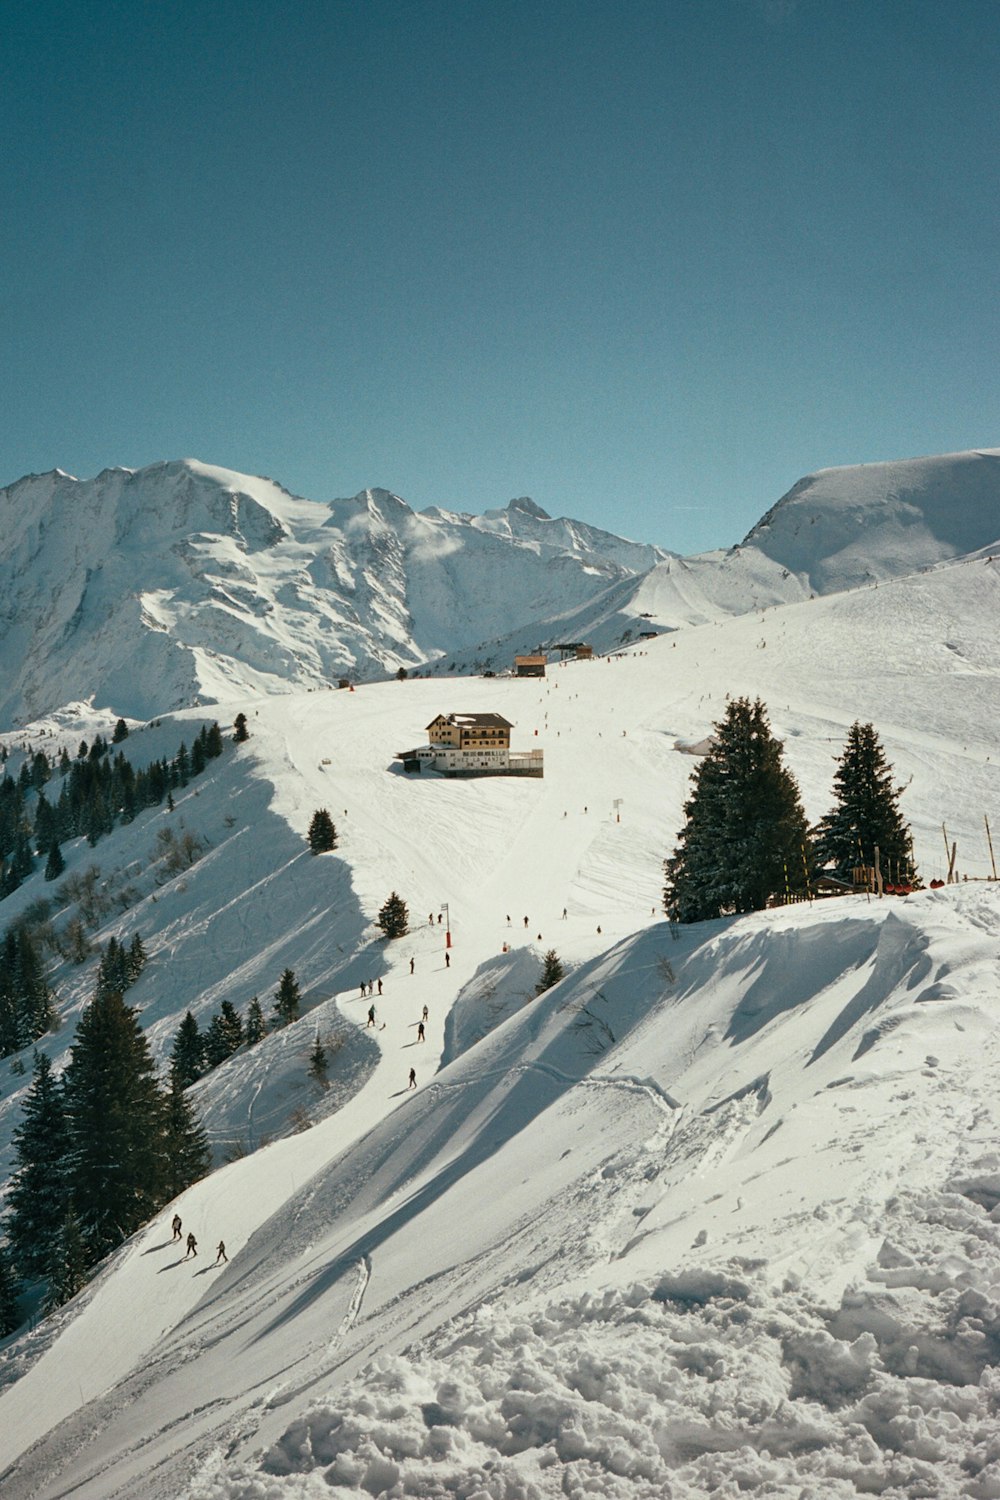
(528, 507)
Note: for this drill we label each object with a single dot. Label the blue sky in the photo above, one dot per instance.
(647, 261)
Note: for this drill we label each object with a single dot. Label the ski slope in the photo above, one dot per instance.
(717, 1214)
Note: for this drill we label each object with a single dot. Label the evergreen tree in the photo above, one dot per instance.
(39, 1191)
(394, 919)
(187, 1056)
(115, 1111)
(46, 823)
(40, 770)
(64, 761)
(552, 972)
(322, 834)
(232, 1027)
(136, 960)
(26, 1002)
(55, 864)
(68, 1262)
(256, 1028)
(241, 732)
(121, 732)
(745, 840)
(213, 741)
(318, 1063)
(10, 1317)
(187, 1157)
(287, 999)
(112, 971)
(217, 1047)
(867, 812)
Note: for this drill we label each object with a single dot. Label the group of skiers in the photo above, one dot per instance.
(192, 1244)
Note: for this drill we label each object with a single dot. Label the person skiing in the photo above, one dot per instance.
(425, 1014)
(176, 1226)
(420, 1031)
(447, 959)
(371, 1016)
(380, 986)
(222, 1252)
(412, 961)
(413, 1079)
(192, 1246)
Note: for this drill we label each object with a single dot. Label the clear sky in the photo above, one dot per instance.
(646, 261)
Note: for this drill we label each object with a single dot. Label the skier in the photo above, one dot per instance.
(380, 986)
(192, 1246)
(420, 1031)
(222, 1253)
(413, 1079)
(525, 921)
(176, 1226)
(426, 1013)
(411, 965)
(371, 1016)
(447, 959)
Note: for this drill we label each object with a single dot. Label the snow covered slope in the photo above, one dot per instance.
(841, 528)
(717, 1214)
(182, 583)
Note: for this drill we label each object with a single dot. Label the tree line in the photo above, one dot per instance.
(98, 790)
(746, 842)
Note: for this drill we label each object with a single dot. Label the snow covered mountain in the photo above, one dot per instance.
(844, 528)
(718, 1214)
(184, 583)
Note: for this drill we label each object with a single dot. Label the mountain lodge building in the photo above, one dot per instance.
(471, 745)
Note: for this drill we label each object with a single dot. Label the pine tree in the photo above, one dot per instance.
(39, 1191)
(287, 999)
(867, 812)
(241, 732)
(256, 1027)
(216, 1043)
(394, 919)
(121, 732)
(68, 1263)
(213, 741)
(232, 1027)
(318, 1062)
(322, 834)
(136, 960)
(115, 1111)
(745, 840)
(55, 864)
(552, 972)
(187, 1157)
(10, 1317)
(187, 1056)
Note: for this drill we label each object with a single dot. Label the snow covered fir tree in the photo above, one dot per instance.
(745, 841)
(866, 816)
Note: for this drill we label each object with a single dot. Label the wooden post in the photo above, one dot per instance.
(990, 842)
(878, 870)
(952, 877)
(944, 834)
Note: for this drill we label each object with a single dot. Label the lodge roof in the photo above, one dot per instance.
(473, 721)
